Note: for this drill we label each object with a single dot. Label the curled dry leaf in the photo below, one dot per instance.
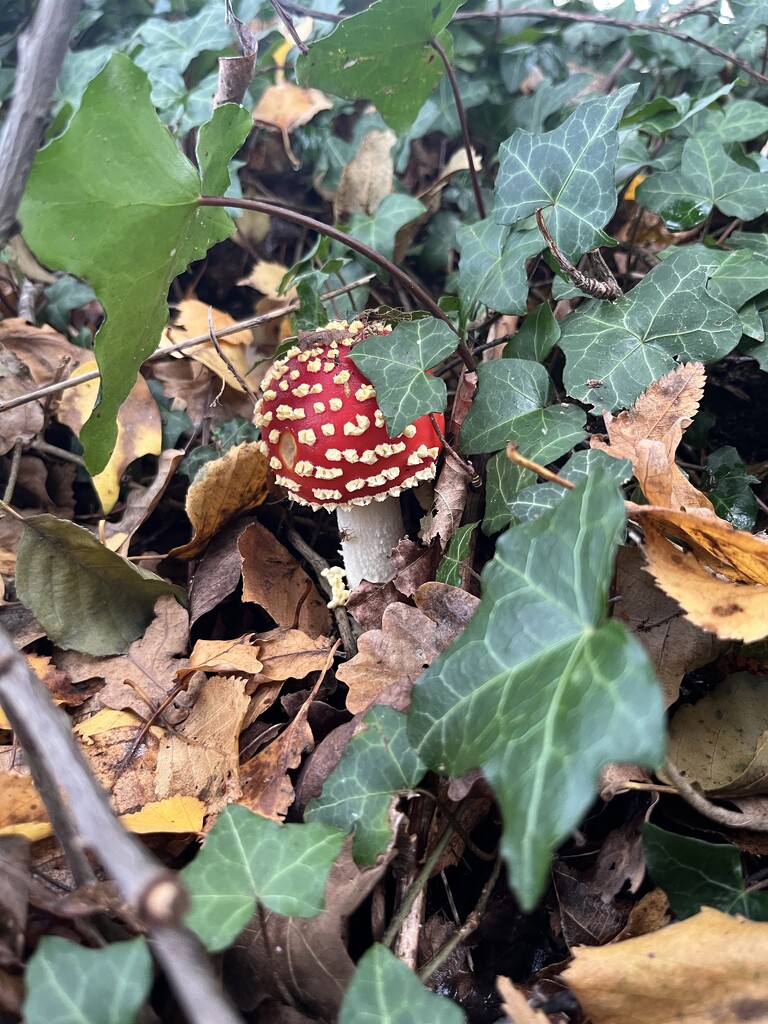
(225, 488)
(649, 433)
(218, 571)
(273, 579)
(515, 1005)
(239, 657)
(710, 967)
(23, 422)
(140, 502)
(139, 429)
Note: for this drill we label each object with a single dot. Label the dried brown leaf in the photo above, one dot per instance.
(515, 1005)
(368, 177)
(192, 322)
(23, 422)
(710, 967)
(648, 435)
(225, 657)
(226, 487)
(218, 571)
(275, 580)
(290, 654)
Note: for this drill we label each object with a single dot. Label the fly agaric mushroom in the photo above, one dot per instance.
(325, 436)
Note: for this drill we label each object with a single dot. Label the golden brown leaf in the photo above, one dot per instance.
(225, 487)
(367, 178)
(515, 1005)
(230, 657)
(708, 968)
(291, 654)
(192, 322)
(648, 435)
(286, 106)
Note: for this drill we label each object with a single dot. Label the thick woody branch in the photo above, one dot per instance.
(157, 895)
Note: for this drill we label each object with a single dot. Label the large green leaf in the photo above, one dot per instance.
(247, 857)
(540, 690)
(396, 365)
(85, 597)
(383, 55)
(707, 177)
(67, 983)
(492, 266)
(378, 764)
(384, 991)
(506, 389)
(615, 350)
(542, 436)
(696, 874)
(114, 201)
(569, 172)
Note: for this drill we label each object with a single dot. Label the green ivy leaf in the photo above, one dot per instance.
(67, 983)
(542, 436)
(540, 690)
(739, 277)
(696, 874)
(378, 764)
(175, 44)
(536, 338)
(506, 389)
(383, 55)
(492, 265)
(449, 569)
(86, 597)
(384, 991)
(114, 201)
(380, 230)
(568, 172)
(707, 177)
(223, 135)
(729, 490)
(626, 345)
(396, 365)
(247, 857)
(530, 502)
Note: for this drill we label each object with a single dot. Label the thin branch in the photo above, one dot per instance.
(227, 361)
(513, 454)
(282, 12)
(434, 43)
(607, 289)
(182, 346)
(41, 54)
(631, 26)
(700, 803)
(157, 895)
(419, 293)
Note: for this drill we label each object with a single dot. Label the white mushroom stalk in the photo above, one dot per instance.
(328, 445)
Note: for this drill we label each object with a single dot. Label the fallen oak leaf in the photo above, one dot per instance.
(231, 657)
(224, 488)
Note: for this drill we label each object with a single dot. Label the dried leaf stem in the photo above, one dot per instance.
(700, 803)
(513, 454)
(605, 289)
(156, 894)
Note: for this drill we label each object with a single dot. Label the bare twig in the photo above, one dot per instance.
(41, 53)
(700, 803)
(632, 26)
(282, 12)
(435, 44)
(607, 289)
(227, 361)
(182, 346)
(13, 476)
(513, 454)
(157, 896)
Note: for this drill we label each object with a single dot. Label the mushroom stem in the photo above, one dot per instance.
(368, 534)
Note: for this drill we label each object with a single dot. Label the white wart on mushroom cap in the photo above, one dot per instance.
(328, 445)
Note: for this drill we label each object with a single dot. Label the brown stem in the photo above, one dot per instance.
(282, 12)
(463, 122)
(514, 455)
(700, 803)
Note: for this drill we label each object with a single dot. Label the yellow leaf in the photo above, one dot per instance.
(139, 429)
(107, 719)
(225, 488)
(634, 185)
(192, 322)
(176, 814)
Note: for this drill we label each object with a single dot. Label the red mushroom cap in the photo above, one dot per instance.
(325, 434)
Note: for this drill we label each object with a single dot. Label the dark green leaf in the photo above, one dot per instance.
(67, 983)
(380, 230)
(624, 346)
(739, 277)
(540, 690)
(536, 338)
(695, 874)
(567, 172)
(86, 597)
(384, 991)
(506, 389)
(378, 764)
(383, 55)
(65, 294)
(543, 436)
(492, 265)
(396, 365)
(217, 140)
(449, 569)
(247, 857)
(730, 491)
(114, 201)
(707, 177)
